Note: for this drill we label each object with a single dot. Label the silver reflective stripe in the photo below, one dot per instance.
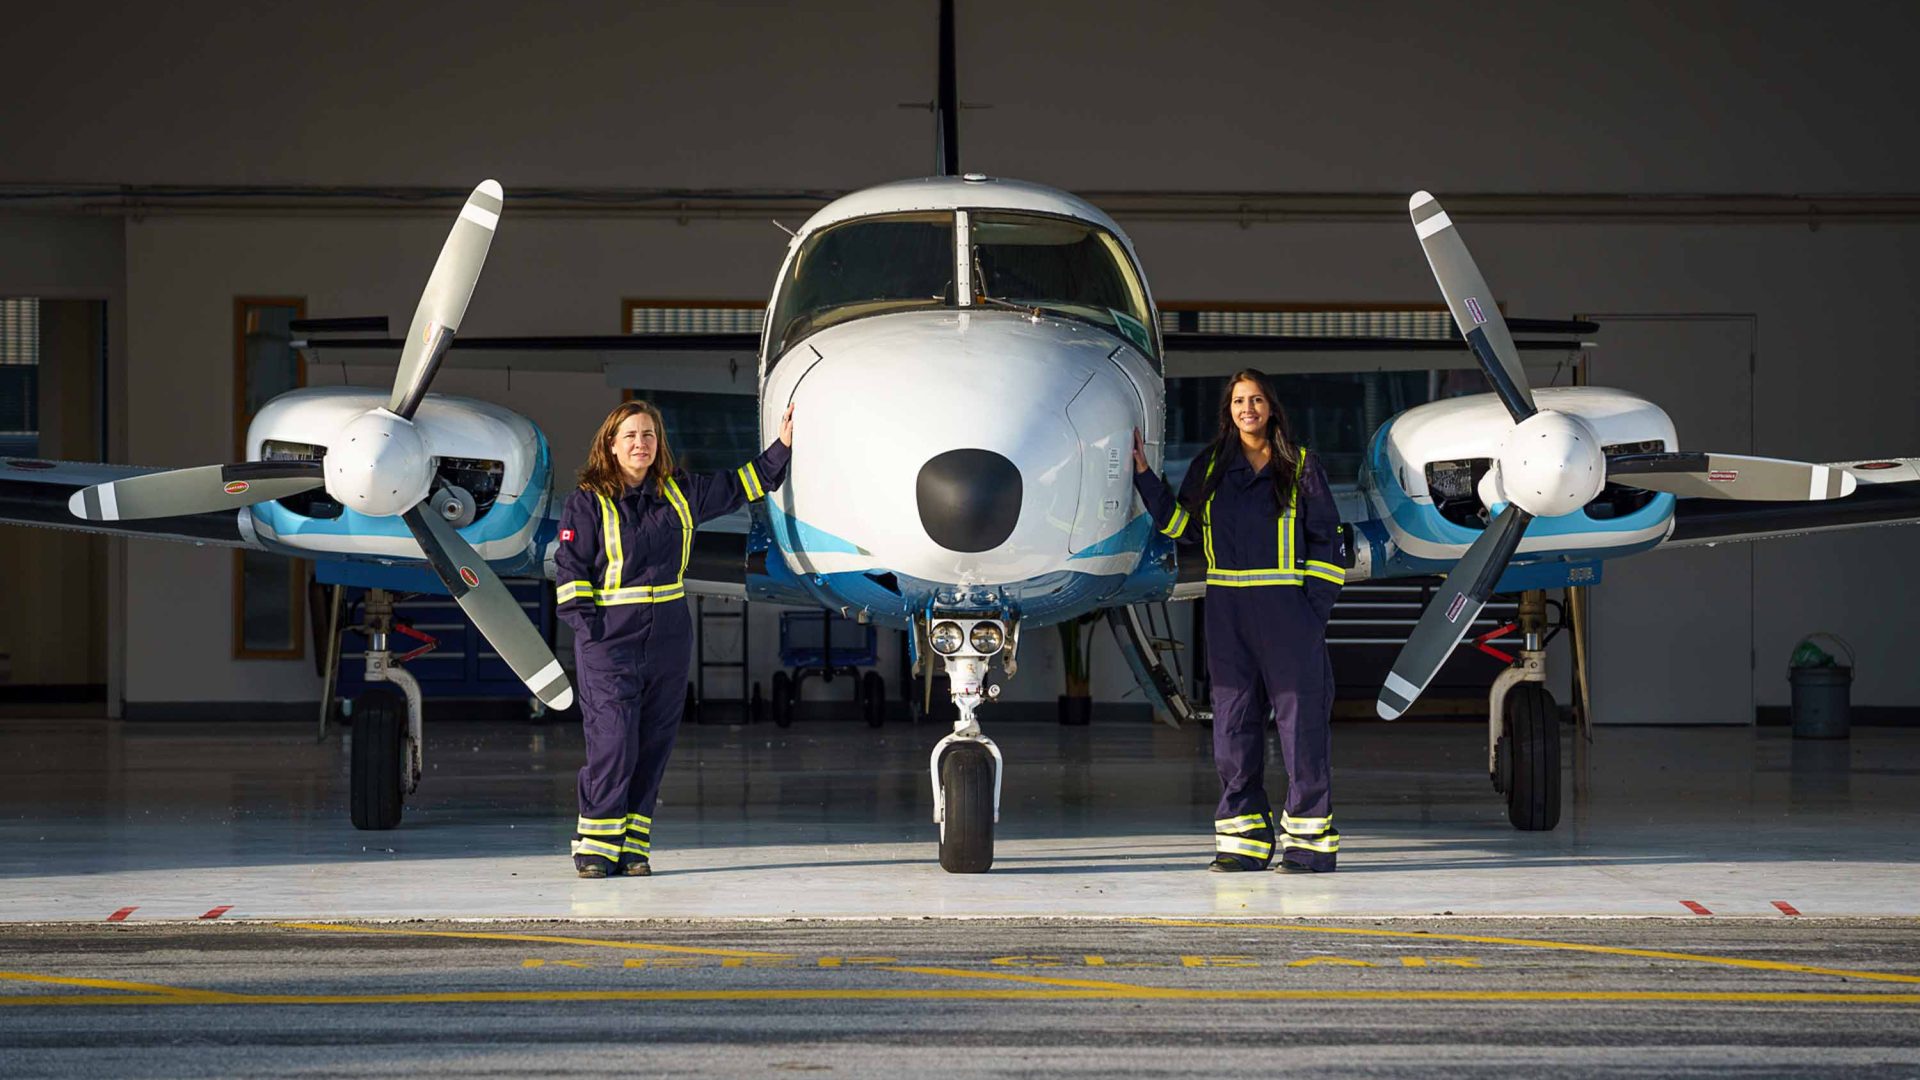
(1400, 686)
(480, 216)
(109, 503)
(546, 677)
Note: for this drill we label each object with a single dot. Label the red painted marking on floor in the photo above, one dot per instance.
(1786, 908)
(121, 915)
(217, 912)
(1695, 906)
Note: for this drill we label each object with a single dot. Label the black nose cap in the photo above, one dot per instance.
(969, 499)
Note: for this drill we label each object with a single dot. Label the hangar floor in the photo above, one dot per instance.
(102, 820)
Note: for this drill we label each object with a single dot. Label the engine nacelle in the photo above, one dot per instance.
(379, 465)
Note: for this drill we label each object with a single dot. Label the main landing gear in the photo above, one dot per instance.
(966, 766)
(1523, 737)
(387, 758)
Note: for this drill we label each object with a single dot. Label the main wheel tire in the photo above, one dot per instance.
(782, 699)
(379, 757)
(873, 699)
(1533, 747)
(966, 836)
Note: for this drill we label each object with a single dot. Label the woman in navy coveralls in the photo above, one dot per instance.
(626, 534)
(1262, 512)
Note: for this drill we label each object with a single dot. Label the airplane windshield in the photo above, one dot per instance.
(866, 267)
(1061, 266)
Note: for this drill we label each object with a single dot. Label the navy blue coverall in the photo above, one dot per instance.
(619, 572)
(1272, 578)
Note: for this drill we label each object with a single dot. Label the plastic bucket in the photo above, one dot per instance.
(1821, 709)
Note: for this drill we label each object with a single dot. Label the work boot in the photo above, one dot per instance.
(1224, 863)
(636, 866)
(593, 866)
(1288, 866)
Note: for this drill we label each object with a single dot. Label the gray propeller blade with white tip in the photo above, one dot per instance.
(444, 302)
(1472, 304)
(1453, 610)
(492, 608)
(1731, 476)
(206, 488)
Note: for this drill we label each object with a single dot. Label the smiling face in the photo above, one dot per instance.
(1250, 408)
(633, 446)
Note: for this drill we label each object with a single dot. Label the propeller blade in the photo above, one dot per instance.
(1453, 610)
(491, 607)
(200, 490)
(1732, 476)
(444, 302)
(1472, 304)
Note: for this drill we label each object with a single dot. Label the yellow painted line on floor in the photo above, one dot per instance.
(339, 928)
(1323, 996)
(105, 984)
(1534, 943)
(1037, 980)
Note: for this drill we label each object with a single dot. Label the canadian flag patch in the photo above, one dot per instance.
(566, 534)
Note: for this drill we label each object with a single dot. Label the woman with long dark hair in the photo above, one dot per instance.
(626, 534)
(1261, 510)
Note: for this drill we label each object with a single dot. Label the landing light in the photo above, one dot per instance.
(947, 638)
(986, 638)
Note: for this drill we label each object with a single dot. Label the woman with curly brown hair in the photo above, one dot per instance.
(626, 534)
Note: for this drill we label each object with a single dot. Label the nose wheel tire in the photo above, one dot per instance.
(966, 833)
(1531, 762)
(379, 753)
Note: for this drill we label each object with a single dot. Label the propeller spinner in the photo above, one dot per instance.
(378, 465)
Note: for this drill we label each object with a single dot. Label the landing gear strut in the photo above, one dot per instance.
(387, 756)
(966, 766)
(1523, 738)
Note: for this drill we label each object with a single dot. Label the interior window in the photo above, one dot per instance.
(865, 267)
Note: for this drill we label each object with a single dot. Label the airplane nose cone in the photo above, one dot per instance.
(969, 499)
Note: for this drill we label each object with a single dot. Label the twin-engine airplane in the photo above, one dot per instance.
(1022, 311)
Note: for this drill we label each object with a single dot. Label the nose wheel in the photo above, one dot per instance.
(966, 787)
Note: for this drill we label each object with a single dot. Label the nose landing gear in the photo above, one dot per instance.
(966, 766)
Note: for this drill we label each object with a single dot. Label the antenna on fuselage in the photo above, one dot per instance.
(946, 104)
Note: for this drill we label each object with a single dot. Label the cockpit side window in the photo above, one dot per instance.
(867, 266)
(1062, 265)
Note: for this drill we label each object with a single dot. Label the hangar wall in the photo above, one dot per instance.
(1479, 99)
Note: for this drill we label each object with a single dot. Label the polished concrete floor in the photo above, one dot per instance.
(158, 821)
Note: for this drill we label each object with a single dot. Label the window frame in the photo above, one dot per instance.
(297, 569)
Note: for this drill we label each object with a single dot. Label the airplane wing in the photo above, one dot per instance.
(1888, 494)
(36, 493)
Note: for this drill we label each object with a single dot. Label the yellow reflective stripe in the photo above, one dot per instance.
(1325, 571)
(641, 818)
(1177, 524)
(1247, 579)
(1306, 826)
(1240, 845)
(610, 540)
(679, 502)
(595, 847)
(642, 594)
(1325, 845)
(750, 482)
(1241, 823)
(574, 590)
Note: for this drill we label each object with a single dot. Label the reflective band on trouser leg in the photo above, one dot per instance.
(1241, 824)
(587, 826)
(639, 838)
(1326, 845)
(1243, 845)
(1306, 826)
(586, 846)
